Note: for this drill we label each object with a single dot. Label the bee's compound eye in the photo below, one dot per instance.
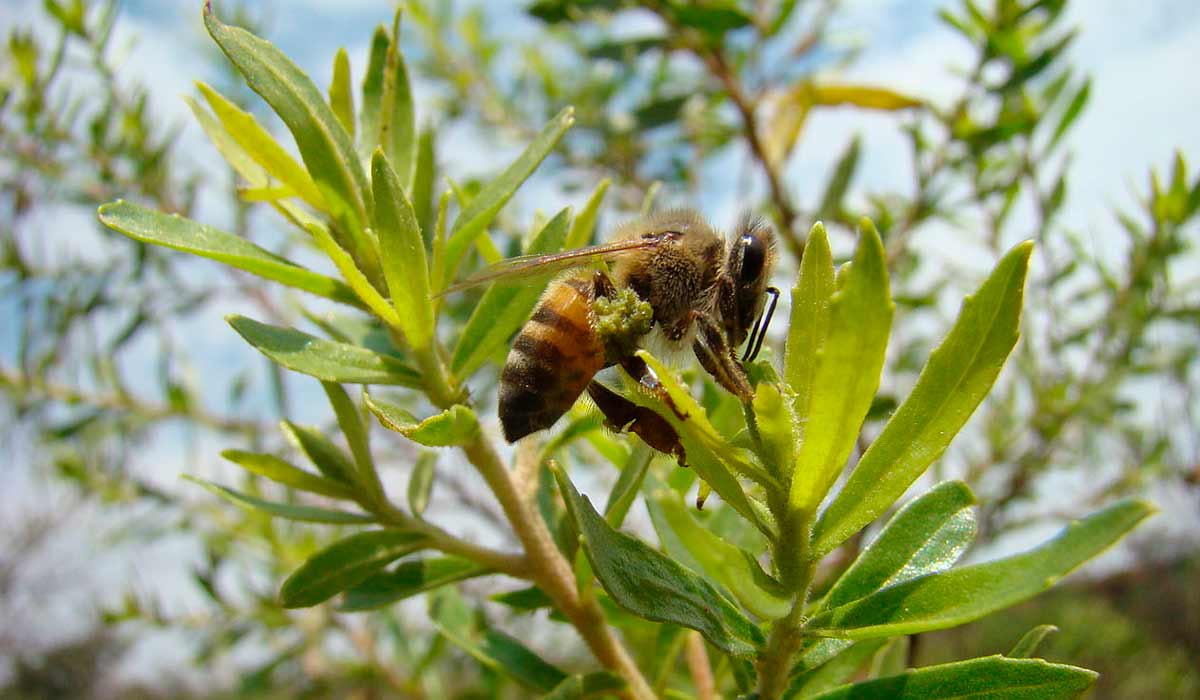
(754, 252)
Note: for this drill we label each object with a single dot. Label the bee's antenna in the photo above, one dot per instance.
(759, 332)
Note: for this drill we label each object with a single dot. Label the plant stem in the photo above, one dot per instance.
(699, 666)
(551, 572)
(796, 571)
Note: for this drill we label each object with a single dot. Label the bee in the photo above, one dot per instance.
(687, 283)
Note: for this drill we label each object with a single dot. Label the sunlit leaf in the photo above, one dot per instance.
(345, 564)
(949, 598)
(420, 482)
(341, 99)
(326, 360)
(402, 254)
(280, 471)
(408, 579)
(475, 216)
(927, 535)
(397, 116)
(456, 425)
(957, 376)
(1029, 643)
(178, 233)
(653, 586)
(993, 677)
(328, 458)
(584, 225)
(835, 671)
(372, 93)
(847, 372)
(290, 511)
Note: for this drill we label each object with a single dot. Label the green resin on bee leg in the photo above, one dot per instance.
(622, 320)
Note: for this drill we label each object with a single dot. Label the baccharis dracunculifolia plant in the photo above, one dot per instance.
(744, 581)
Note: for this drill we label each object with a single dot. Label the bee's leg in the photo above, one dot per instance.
(716, 357)
(639, 370)
(624, 415)
(603, 285)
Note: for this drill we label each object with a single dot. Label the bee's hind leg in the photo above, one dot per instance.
(716, 357)
(624, 415)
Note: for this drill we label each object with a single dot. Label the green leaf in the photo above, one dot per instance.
(422, 184)
(402, 255)
(280, 471)
(733, 568)
(709, 454)
(927, 535)
(505, 307)
(258, 143)
(847, 372)
(350, 421)
(992, 677)
(839, 182)
(809, 323)
(949, 598)
(959, 373)
(1071, 113)
(713, 17)
(328, 458)
(773, 413)
(397, 119)
(1030, 642)
(340, 97)
(408, 579)
(584, 225)
(372, 93)
(291, 511)
(655, 587)
(350, 270)
(524, 599)
(420, 483)
(581, 687)
(178, 233)
(625, 491)
(455, 426)
(345, 564)
(238, 158)
(324, 145)
(326, 360)
(475, 216)
(892, 659)
(835, 671)
(492, 648)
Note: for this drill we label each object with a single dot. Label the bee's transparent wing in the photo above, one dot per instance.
(525, 266)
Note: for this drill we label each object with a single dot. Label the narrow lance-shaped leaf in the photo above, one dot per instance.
(358, 280)
(492, 648)
(420, 482)
(625, 491)
(809, 323)
(422, 185)
(835, 671)
(327, 457)
(598, 684)
(864, 96)
(283, 472)
(839, 181)
(847, 373)
(1029, 643)
(733, 568)
(475, 217)
(372, 93)
(504, 307)
(326, 360)
(350, 421)
(290, 511)
(992, 677)
(402, 254)
(584, 225)
(949, 598)
(397, 118)
(709, 454)
(408, 579)
(178, 233)
(234, 154)
(957, 376)
(341, 99)
(651, 585)
(346, 563)
(927, 535)
(456, 425)
(262, 147)
(324, 145)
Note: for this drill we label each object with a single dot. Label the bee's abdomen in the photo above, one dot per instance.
(551, 362)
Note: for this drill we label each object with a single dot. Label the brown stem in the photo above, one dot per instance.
(699, 666)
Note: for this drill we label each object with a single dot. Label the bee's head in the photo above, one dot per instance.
(751, 259)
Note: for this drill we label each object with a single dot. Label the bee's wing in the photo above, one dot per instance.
(524, 266)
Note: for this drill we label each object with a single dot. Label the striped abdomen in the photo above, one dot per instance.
(552, 361)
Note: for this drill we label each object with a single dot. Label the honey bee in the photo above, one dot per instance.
(672, 274)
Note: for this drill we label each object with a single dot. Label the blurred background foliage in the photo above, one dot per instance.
(99, 371)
